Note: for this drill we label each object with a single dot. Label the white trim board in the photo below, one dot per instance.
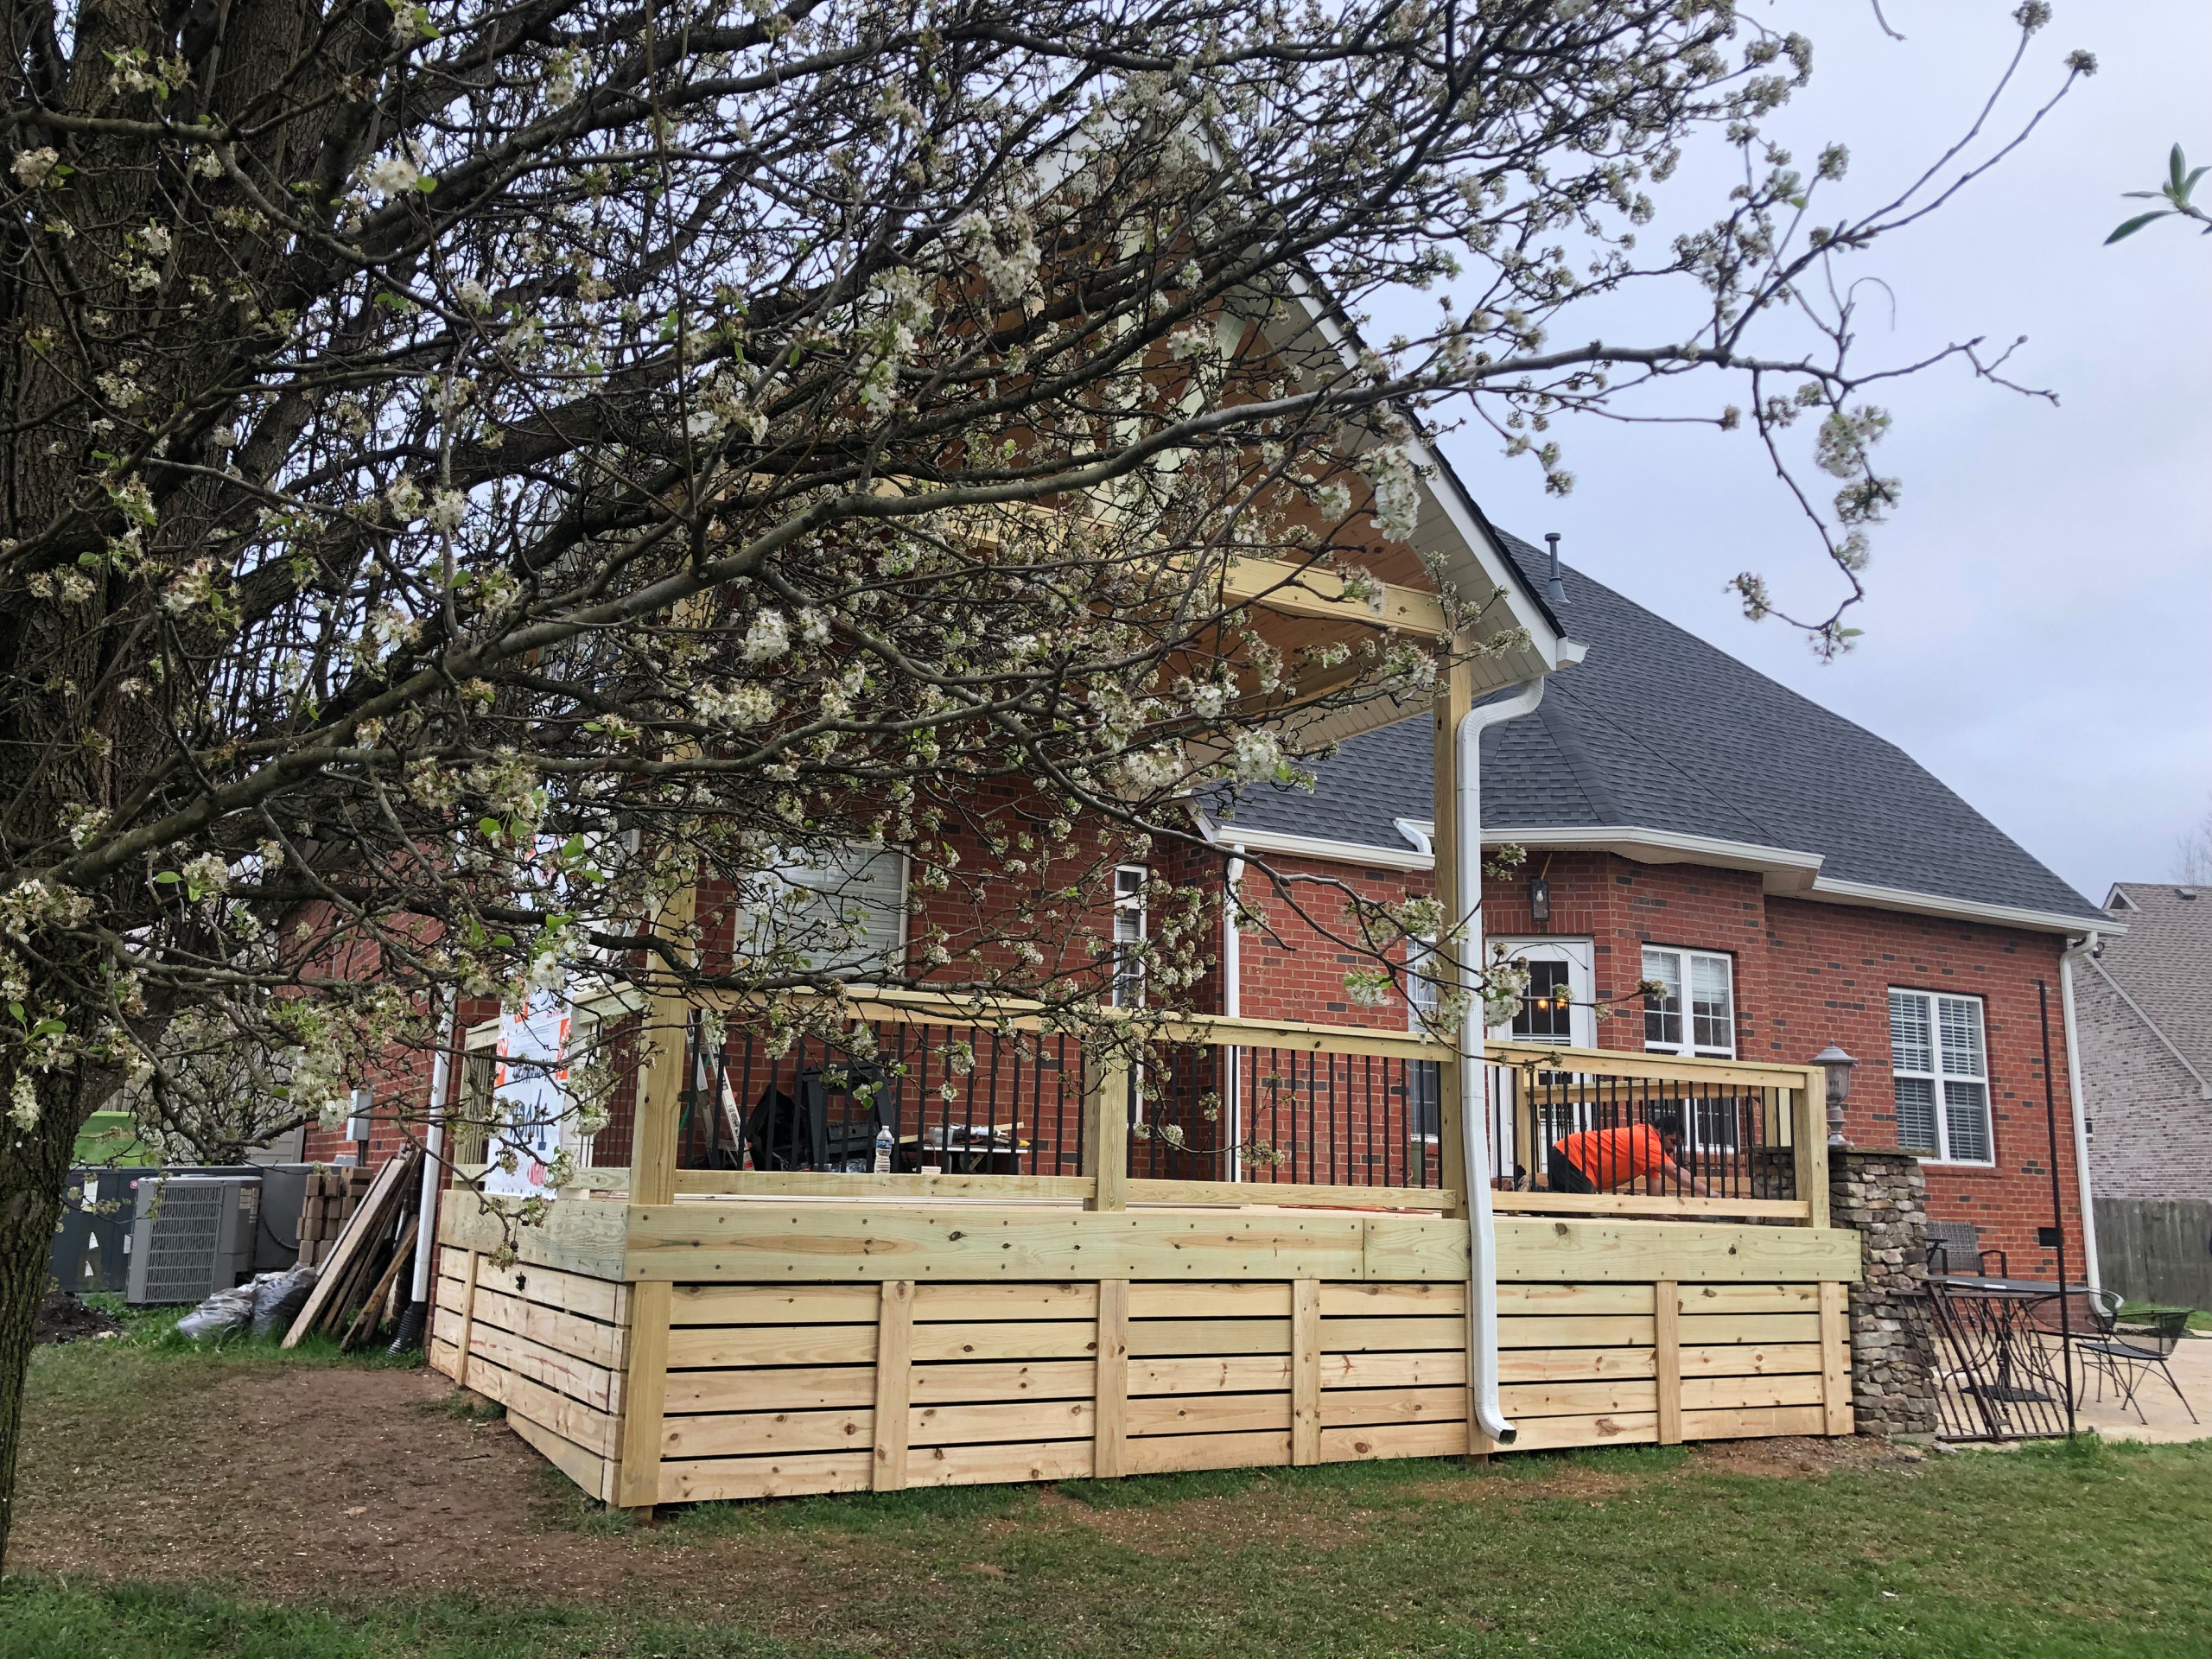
(1788, 873)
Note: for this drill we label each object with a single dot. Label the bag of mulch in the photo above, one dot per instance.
(226, 1313)
(279, 1298)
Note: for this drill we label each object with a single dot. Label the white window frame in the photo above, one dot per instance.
(787, 872)
(1126, 989)
(1684, 968)
(1581, 959)
(1942, 1074)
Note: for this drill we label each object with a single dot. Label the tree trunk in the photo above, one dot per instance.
(34, 1171)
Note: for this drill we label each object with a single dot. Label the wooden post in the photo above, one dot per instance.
(894, 1349)
(644, 1392)
(1809, 1145)
(1666, 1358)
(1835, 1361)
(1455, 696)
(1306, 1372)
(1106, 1130)
(1111, 1406)
(467, 1322)
(660, 1088)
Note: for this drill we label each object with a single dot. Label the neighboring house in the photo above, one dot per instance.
(1793, 880)
(2143, 1007)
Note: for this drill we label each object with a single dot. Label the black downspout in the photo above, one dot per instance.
(2057, 1209)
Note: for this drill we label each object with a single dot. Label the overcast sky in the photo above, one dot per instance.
(2041, 620)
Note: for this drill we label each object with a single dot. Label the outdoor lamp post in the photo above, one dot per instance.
(1838, 1066)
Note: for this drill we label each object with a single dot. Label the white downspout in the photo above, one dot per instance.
(1232, 1003)
(2089, 1269)
(1474, 1138)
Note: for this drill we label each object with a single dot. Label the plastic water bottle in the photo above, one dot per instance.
(884, 1142)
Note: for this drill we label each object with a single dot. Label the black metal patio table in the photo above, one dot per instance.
(1997, 1381)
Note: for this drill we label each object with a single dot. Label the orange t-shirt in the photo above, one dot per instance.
(1612, 1158)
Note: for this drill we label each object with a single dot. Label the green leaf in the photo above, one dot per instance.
(168, 878)
(2134, 225)
(426, 184)
(2177, 164)
(488, 827)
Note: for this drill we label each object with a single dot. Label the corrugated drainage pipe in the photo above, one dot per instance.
(1474, 1138)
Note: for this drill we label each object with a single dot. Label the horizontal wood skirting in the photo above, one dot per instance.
(1651, 1205)
(789, 1389)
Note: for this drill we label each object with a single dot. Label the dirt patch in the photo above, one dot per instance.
(1794, 1457)
(338, 1482)
(62, 1318)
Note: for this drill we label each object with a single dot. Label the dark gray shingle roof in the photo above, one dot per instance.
(2164, 961)
(1659, 730)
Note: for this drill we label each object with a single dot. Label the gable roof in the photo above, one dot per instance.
(2163, 964)
(1664, 748)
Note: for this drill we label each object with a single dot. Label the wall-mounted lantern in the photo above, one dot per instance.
(1838, 1066)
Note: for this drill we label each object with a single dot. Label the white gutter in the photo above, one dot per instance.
(1474, 1138)
(434, 1146)
(2080, 1115)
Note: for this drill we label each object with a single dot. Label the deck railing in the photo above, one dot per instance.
(1208, 1110)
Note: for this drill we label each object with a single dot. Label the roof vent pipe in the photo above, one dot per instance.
(1555, 588)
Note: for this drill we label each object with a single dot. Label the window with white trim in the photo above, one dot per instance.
(1127, 990)
(841, 909)
(1559, 1005)
(1940, 1061)
(1694, 1011)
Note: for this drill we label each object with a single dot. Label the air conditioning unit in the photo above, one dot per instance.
(193, 1236)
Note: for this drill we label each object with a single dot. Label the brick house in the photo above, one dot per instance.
(2143, 1010)
(1792, 879)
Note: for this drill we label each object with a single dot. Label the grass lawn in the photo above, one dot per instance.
(2082, 1550)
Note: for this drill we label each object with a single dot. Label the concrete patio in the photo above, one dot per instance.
(2163, 1416)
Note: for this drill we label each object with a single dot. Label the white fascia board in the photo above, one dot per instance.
(1832, 891)
(1786, 871)
(1340, 852)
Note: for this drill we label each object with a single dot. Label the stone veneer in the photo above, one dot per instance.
(1883, 1197)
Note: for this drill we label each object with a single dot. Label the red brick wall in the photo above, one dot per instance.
(1806, 974)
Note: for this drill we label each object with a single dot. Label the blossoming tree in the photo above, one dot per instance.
(474, 473)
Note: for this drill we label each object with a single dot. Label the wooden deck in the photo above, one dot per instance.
(693, 1335)
(727, 1350)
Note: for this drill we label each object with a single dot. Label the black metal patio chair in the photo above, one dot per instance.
(2126, 1352)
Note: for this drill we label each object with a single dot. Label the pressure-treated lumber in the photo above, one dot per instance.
(1110, 1428)
(893, 1356)
(365, 1322)
(1835, 1363)
(1306, 1372)
(643, 1391)
(1245, 1194)
(660, 1084)
(1106, 1130)
(364, 1227)
(1649, 1203)
(1809, 1144)
(468, 1318)
(1666, 1358)
(1455, 698)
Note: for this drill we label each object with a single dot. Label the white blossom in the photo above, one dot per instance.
(448, 509)
(393, 175)
(22, 1103)
(769, 638)
(32, 166)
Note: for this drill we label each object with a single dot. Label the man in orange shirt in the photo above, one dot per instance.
(1606, 1161)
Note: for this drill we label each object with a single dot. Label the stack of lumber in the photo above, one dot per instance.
(358, 1287)
(332, 1196)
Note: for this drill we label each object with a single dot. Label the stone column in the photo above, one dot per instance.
(1883, 1196)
